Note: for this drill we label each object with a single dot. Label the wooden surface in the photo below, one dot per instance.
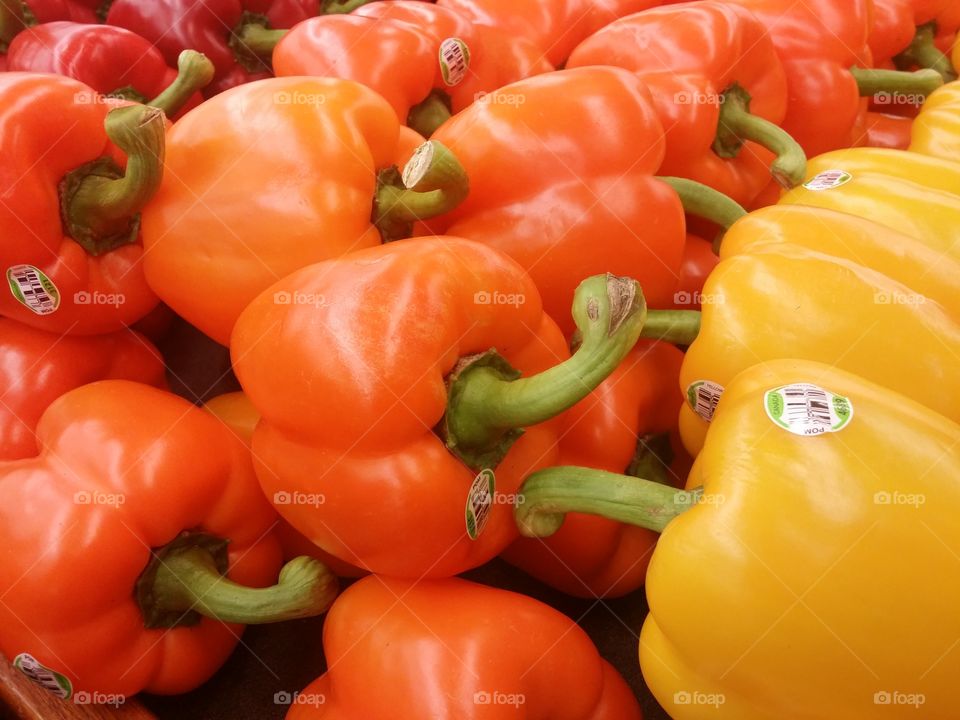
(278, 659)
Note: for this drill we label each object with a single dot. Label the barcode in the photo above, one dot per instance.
(32, 292)
(807, 405)
(454, 59)
(30, 667)
(706, 396)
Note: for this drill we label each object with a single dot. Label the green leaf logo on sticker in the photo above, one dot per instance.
(45, 677)
(806, 409)
(454, 61)
(479, 502)
(827, 180)
(33, 289)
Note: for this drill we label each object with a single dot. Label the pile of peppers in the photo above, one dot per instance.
(645, 299)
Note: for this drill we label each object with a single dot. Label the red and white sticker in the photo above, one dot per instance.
(454, 61)
(828, 180)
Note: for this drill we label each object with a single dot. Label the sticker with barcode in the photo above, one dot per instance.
(33, 289)
(43, 676)
(454, 60)
(703, 396)
(479, 502)
(806, 409)
(828, 179)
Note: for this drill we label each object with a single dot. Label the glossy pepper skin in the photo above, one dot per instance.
(624, 420)
(92, 288)
(288, 170)
(37, 367)
(493, 654)
(936, 130)
(698, 59)
(350, 383)
(81, 11)
(406, 50)
(570, 209)
(556, 27)
(283, 13)
(109, 59)
(113, 487)
(839, 537)
(885, 130)
(173, 26)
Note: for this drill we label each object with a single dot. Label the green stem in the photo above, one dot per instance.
(260, 40)
(433, 182)
(187, 579)
(547, 495)
(488, 404)
(738, 125)
(923, 52)
(679, 327)
(12, 22)
(339, 7)
(872, 81)
(705, 202)
(194, 72)
(99, 204)
(430, 114)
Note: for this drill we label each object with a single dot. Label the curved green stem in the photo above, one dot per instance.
(923, 52)
(99, 203)
(433, 182)
(258, 39)
(548, 495)
(339, 7)
(679, 327)
(190, 579)
(872, 81)
(705, 202)
(194, 72)
(488, 404)
(12, 22)
(737, 125)
(430, 114)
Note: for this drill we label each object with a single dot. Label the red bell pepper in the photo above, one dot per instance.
(353, 362)
(283, 13)
(561, 207)
(113, 61)
(699, 260)
(427, 61)
(888, 131)
(45, 11)
(38, 367)
(718, 87)
(143, 512)
(454, 649)
(75, 176)
(626, 425)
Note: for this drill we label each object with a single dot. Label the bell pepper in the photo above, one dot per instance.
(885, 130)
(75, 176)
(626, 423)
(45, 11)
(152, 526)
(556, 27)
(38, 367)
(936, 131)
(283, 13)
(783, 299)
(346, 361)
(903, 34)
(427, 61)
(718, 88)
(291, 171)
(822, 45)
(112, 61)
(573, 208)
(488, 653)
(832, 500)
(699, 260)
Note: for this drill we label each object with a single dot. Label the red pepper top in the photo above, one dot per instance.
(81, 11)
(283, 13)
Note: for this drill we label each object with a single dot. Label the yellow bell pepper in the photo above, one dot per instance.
(812, 567)
(936, 130)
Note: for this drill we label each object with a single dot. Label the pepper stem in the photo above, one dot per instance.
(548, 495)
(679, 327)
(430, 114)
(923, 52)
(258, 39)
(339, 7)
(187, 579)
(488, 404)
(194, 72)
(737, 125)
(99, 203)
(705, 202)
(433, 182)
(12, 22)
(873, 81)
